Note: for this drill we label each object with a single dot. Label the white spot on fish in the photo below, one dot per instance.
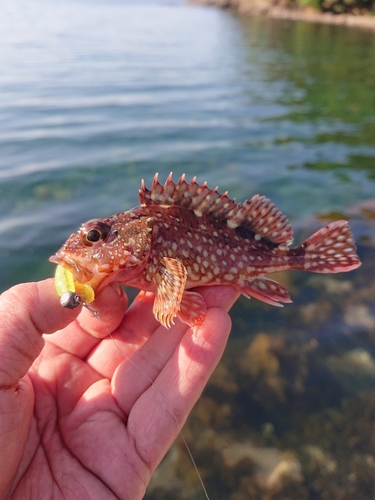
(232, 224)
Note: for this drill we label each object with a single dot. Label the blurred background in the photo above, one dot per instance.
(95, 96)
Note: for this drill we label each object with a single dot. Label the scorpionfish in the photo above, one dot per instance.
(186, 235)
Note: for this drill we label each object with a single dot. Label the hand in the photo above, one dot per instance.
(83, 416)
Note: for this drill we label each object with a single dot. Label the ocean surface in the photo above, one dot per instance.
(95, 96)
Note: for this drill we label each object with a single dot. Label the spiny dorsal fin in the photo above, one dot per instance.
(263, 217)
(258, 214)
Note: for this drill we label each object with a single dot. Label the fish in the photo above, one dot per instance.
(184, 235)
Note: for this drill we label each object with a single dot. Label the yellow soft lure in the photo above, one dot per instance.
(65, 282)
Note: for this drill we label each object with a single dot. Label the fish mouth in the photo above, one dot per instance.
(81, 273)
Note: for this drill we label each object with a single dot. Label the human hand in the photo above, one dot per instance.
(82, 416)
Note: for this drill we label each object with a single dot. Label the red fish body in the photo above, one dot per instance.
(185, 235)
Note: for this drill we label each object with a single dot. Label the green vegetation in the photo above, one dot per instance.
(357, 7)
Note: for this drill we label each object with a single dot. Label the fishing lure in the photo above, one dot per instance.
(72, 293)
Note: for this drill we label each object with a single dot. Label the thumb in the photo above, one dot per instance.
(27, 311)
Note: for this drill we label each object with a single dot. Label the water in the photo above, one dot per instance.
(95, 96)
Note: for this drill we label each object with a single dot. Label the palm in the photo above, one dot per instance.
(95, 416)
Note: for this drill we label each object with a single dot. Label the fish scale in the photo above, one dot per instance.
(185, 235)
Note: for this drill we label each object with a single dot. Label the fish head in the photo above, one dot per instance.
(106, 250)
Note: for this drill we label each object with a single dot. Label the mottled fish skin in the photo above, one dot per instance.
(185, 235)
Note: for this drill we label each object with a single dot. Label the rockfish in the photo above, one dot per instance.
(186, 235)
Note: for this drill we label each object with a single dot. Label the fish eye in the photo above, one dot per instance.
(93, 235)
(94, 231)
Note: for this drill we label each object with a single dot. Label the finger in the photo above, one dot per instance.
(110, 304)
(27, 311)
(158, 415)
(140, 321)
(138, 325)
(139, 369)
(222, 296)
(88, 330)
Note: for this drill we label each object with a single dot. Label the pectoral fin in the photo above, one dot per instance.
(171, 277)
(192, 309)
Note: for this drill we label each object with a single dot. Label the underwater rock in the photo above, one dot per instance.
(354, 369)
(273, 469)
(301, 378)
(359, 316)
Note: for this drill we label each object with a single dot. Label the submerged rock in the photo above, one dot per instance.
(301, 379)
(273, 469)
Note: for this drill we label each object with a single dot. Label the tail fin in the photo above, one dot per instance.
(331, 249)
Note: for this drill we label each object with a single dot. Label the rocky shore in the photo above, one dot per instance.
(281, 10)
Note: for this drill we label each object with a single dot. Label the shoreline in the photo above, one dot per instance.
(308, 14)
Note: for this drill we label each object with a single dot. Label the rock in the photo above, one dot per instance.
(274, 470)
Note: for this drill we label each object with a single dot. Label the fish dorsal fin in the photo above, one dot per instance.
(258, 214)
(265, 219)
